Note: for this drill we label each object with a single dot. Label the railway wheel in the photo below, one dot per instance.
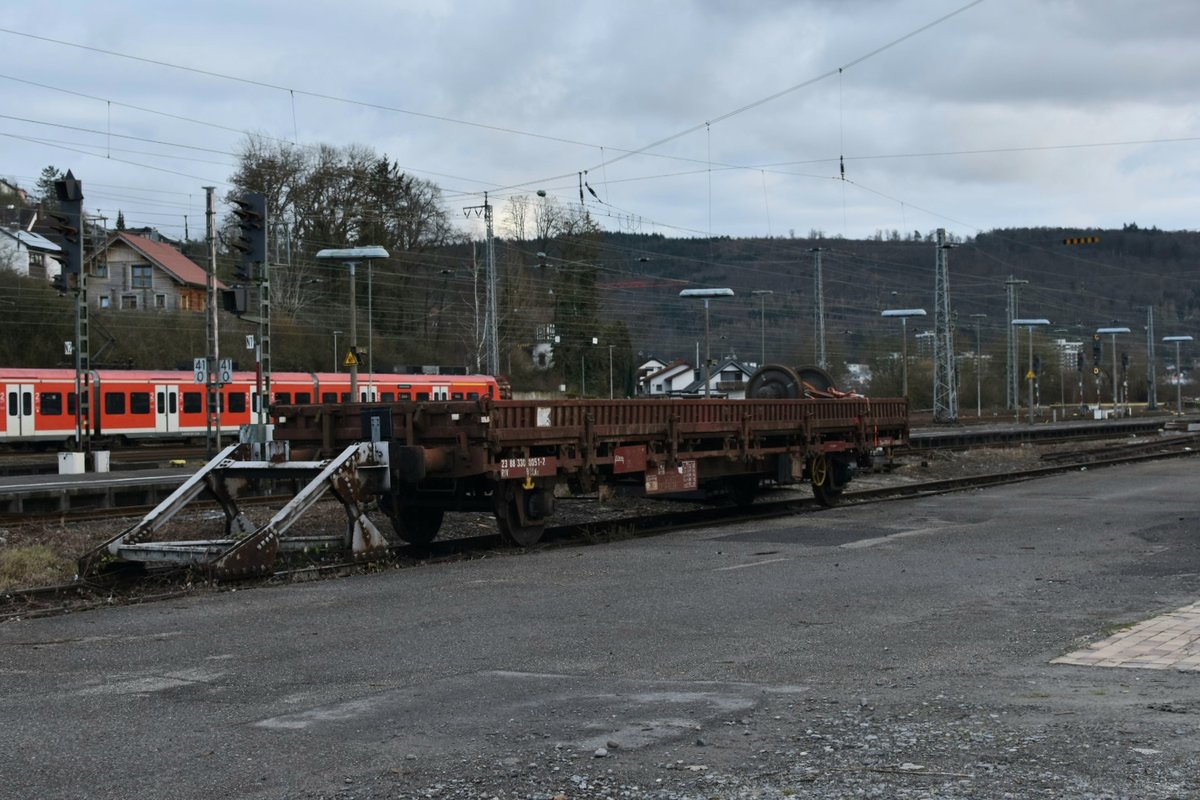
(521, 513)
(826, 479)
(414, 524)
(774, 382)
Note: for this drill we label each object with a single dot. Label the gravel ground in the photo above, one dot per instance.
(1019, 732)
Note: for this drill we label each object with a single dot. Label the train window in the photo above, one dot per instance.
(254, 402)
(12, 404)
(456, 396)
(345, 397)
(406, 395)
(303, 397)
(328, 397)
(139, 402)
(283, 398)
(160, 402)
(422, 395)
(172, 403)
(51, 404)
(472, 395)
(387, 397)
(27, 403)
(114, 403)
(193, 402)
(237, 402)
(71, 403)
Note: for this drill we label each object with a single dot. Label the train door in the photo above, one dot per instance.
(166, 408)
(18, 410)
(441, 392)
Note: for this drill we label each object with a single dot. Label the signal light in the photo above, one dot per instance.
(67, 222)
(251, 243)
(235, 300)
(1079, 360)
(1082, 240)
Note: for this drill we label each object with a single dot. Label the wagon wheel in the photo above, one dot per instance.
(414, 524)
(774, 382)
(509, 502)
(822, 475)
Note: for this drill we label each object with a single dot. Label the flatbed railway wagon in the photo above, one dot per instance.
(513, 457)
(416, 460)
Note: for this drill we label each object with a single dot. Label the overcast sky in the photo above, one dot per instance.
(689, 117)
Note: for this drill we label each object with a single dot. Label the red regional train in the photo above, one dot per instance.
(132, 405)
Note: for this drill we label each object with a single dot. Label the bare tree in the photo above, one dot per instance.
(516, 212)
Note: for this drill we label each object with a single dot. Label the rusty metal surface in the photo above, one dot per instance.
(502, 439)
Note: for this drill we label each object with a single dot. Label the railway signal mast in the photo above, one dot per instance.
(68, 223)
(251, 245)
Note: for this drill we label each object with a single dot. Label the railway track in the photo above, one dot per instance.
(125, 584)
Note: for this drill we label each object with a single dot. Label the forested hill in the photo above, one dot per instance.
(1077, 286)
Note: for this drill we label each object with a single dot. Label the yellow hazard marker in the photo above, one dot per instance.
(351, 359)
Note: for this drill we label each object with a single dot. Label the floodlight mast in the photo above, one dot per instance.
(1178, 370)
(903, 314)
(1031, 324)
(706, 295)
(1113, 331)
(350, 256)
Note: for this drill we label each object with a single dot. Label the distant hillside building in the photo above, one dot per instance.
(29, 254)
(138, 272)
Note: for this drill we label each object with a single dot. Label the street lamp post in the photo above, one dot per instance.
(978, 379)
(610, 371)
(351, 256)
(707, 294)
(583, 369)
(1178, 370)
(903, 314)
(1113, 332)
(762, 295)
(1031, 324)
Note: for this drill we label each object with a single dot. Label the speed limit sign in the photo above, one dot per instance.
(200, 369)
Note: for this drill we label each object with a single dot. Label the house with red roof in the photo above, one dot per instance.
(135, 271)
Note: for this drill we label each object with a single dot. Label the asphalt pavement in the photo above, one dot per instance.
(920, 648)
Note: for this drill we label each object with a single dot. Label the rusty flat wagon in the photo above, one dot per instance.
(510, 456)
(420, 460)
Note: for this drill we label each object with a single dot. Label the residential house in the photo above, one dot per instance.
(135, 271)
(28, 253)
(669, 380)
(644, 370)
(728, 379)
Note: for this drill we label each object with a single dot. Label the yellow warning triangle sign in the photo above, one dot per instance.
(351, 359)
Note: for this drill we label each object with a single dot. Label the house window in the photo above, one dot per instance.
(139, 276)
(104, 301)
(129, 301)
(100, 269)
(160, 302)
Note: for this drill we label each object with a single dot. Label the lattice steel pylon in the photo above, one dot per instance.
(945, 387)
